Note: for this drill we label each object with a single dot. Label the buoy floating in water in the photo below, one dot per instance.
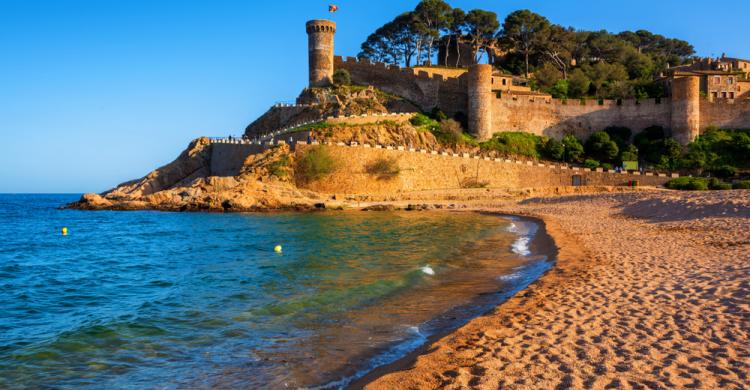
(277, 249)
(64, 231)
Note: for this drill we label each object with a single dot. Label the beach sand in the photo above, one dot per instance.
(650, 290)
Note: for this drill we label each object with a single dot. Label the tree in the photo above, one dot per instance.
(578, 84)
(524, 32)
(395, 42)
(481, 26)
(601, 147)
(546, 76)
(455, 27)
(431, 17)
(557, 44)
(573, 148)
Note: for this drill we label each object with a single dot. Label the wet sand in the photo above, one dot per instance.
(650, 290)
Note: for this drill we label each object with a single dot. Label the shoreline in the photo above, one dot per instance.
(542, 244)
(591, 321)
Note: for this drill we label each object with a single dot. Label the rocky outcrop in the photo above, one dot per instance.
(264, 183)
(320, 103)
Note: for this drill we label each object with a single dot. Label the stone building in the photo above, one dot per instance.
(494, 102)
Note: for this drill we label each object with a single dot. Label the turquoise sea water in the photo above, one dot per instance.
(200, 300)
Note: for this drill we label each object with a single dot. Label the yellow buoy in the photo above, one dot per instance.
(64, 231)
(277, 249)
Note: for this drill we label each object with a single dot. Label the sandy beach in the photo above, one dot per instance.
(650, 290)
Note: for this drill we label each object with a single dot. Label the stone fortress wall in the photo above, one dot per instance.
(422, 170)
(425, 89)
(476, 93)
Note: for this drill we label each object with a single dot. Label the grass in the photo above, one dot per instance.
(514, 143)
(317, 163)
(383, 168)
(279, 167)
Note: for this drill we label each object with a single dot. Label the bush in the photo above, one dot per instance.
(438, 115)
(384, 168)
(420, 119)
(601, 147)
(573, 148)
(316, 164)
(716, 184)
(473, 183)
(629, 153)
(607, 166)
(512, 143)
(342, 77)
(724, 171)
(553, 149)
(621, 135)
(741, 185)
(449, 132)
(688, 184)
(590, 163)
(278, 168)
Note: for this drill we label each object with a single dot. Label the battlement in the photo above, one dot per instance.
(541, 99)
(320, 26)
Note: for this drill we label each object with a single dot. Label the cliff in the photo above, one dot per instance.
(188, 183)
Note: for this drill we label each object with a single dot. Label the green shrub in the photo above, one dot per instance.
(553, 149)
(315, 164)
(438, 115)
(449, 132)
(384, 168)
(716, 184)
(514, 144)
(591, 163)
(279, 167)
(607, 166)
(724, 171)
(620, 135)
(342, 77)
(573, 148)
(420, 119)
(688, 184)
(741, 185)
(601, 147)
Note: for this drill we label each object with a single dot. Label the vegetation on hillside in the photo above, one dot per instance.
(563, 61)
(315, 164)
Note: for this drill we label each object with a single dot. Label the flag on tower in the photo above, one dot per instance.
(332, 8)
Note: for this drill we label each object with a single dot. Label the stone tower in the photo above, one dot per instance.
(480, 100)
(320, 51)
(685, 108)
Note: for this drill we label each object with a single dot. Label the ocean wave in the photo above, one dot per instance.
(428, 270)
(509, 277)
(521, 246)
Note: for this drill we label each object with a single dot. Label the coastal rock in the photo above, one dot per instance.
(95, 201)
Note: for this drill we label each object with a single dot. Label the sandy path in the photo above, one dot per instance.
(651, 290)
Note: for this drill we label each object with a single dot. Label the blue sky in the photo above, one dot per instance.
(97, 92)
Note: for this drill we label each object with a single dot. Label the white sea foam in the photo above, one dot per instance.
(428, 270)
(509, 277)
(512, 228)
(521, 246)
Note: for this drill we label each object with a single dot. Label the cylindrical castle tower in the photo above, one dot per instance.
(686, 108)
(480, 100)
(320, 51)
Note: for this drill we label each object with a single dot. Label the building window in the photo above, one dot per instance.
(504, 81)
(724, 95)
(714, 95)
(731, 95)
(730, 80)
(717, 79)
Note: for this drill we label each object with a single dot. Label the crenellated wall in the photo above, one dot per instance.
(425, 89)
(555, 118)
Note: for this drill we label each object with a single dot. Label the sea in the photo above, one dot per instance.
(163, 300)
